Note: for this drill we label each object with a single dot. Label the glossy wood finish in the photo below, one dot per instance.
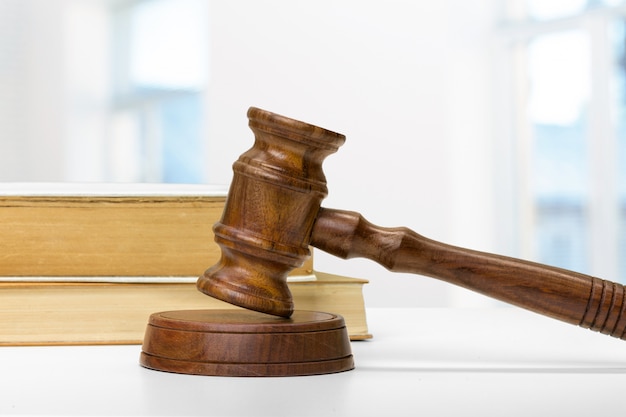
(273, 212)
(561, 294)
(246, 343)
(275, 194)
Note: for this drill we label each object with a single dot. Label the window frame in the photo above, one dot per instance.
(144, 105)
(516, 151)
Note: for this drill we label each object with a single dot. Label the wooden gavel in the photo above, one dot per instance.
(273, 213)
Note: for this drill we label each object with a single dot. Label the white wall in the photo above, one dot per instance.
(53, 90)
(31, 96)
(408, 83)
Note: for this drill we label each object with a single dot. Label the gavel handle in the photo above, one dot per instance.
(574, 298)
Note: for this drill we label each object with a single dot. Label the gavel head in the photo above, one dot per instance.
(276, 192)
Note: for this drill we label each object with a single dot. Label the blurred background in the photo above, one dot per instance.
(498, 125)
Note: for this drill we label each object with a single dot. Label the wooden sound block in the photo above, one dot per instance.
(239, 342)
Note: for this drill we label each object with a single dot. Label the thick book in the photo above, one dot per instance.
(87, 263)
(60, 313)
(110, 229)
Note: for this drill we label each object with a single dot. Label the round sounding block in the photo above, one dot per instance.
(237, 342)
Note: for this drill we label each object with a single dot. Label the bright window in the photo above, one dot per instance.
(160, 67)
(570, 132)
(558, 74)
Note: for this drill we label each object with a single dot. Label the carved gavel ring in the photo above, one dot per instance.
(273, 213)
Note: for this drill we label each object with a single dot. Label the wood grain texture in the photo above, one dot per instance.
(246, 343)
(568, 296)
(274, 213)
(276, 191)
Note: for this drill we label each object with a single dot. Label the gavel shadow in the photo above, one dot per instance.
(416, 369)
(483, 341)
(474, 361)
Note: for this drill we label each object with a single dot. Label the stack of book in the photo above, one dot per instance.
(88, 264)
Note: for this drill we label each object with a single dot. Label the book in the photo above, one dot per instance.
(110, 230)
(62, 313)
(88, 263)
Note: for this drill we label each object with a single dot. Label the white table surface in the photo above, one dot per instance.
(421, 362)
